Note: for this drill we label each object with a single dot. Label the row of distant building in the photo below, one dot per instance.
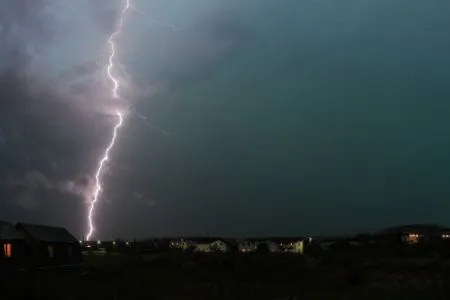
(408, 234)
(424, 234)
(271, 244)
(47, 245)
(198, 244)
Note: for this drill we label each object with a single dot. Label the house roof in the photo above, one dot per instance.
(234, 242)
(8, 232)
(282, 239)
(204, 240)
(47, 233)
(207, 240)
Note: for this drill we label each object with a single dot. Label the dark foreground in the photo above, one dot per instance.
(233, 276)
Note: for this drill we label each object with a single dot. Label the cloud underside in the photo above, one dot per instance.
(54, 126)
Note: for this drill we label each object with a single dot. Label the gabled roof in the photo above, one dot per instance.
(8, 232)
(47, 233)
(206, 240)
(284, 240)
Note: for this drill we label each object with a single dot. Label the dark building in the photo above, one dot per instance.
(415, 234)
(284, 244)
(50, 245)
(13, 248)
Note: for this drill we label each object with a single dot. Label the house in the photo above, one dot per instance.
(203, 247)
(210, 244)
(247, 245)
(182, 244)
(414, 234)
(51, 245)
(13, 248)
(292, 245)
(220, 246)
(201, 244)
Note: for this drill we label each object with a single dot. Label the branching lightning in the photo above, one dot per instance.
(115, 94)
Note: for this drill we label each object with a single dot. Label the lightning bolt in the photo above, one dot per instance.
(115, 94)
(111, 43)
(98, 174)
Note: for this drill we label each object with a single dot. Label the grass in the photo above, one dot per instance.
(234, 276)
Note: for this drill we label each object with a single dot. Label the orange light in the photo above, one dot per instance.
(7, 249)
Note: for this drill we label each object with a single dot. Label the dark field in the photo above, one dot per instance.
(234, 276)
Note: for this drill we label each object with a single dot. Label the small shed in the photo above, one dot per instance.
(12, 244)
(51, 245)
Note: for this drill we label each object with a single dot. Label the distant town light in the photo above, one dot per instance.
(412, 238)
(99, 242)
(114, 243)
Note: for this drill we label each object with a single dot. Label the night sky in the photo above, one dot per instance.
(287, 117)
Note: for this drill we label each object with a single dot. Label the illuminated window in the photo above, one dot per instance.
(412, 238)
(51, 251)
(7, 250)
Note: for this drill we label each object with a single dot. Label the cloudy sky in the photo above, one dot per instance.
(268, 117)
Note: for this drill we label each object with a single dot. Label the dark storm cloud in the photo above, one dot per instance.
(291, 118)
(42, 137)
(200, 49)
(32, 180)
(191, 52)
(27, 200)
(24, 24)
(316, 127)
(105, 13)
(38, 129)
(29, 33)
(143, 199)
(81, 70)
